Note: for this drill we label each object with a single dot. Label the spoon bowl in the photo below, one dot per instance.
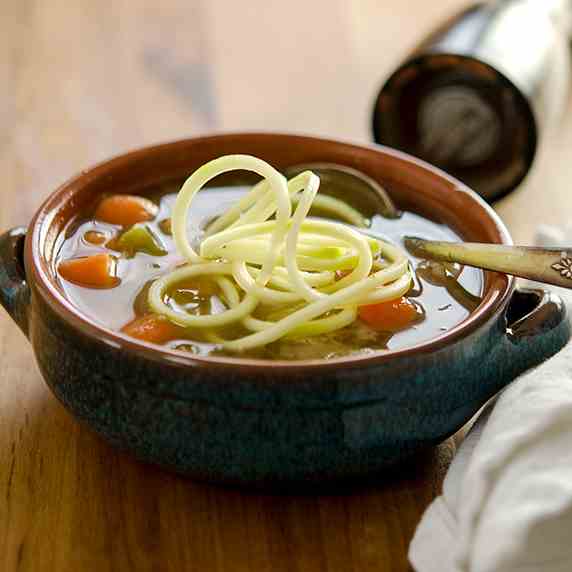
(339, 181)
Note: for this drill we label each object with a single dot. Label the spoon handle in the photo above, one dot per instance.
(548, 265)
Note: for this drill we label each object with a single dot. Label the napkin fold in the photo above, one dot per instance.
(506, 504)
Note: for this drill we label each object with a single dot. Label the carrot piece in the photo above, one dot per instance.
(152, 328)
(125, 210)
(165, 226)
(95, 237)
(95, 271)
(390, 316)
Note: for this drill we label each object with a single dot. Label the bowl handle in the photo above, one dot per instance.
(14, 290)
(537, 326)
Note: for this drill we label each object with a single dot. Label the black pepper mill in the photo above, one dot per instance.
(476, 95)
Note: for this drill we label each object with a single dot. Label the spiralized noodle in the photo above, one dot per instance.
(259, 253)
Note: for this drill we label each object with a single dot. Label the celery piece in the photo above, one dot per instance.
(325, 252)
(374, 245)
(140, 238)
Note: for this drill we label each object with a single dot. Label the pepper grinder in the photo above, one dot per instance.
(475, 97)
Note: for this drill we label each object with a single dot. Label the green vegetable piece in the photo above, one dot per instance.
(140, 238)
(325, 252)
(374, 246)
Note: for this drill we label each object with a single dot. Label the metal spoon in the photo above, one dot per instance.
(367, 195)
(547, 265)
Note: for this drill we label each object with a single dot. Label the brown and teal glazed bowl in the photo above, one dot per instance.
(249, 421)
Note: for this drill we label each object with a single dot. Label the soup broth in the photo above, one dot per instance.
(440, 298)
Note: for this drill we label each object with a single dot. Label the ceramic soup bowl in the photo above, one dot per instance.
(246, 421)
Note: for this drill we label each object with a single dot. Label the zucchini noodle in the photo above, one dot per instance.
(313, 273)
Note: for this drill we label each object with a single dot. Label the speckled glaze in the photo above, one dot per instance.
(284, 423)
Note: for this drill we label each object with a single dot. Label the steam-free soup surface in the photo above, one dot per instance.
(441, 300)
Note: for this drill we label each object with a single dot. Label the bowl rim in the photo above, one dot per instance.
(37, 268)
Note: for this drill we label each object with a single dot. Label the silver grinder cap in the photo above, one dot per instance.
(475, 97)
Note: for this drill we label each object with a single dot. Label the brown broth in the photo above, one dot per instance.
(443, 304)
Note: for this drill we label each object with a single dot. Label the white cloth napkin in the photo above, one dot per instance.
(507, 497)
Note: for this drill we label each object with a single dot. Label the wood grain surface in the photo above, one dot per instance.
(83, 80)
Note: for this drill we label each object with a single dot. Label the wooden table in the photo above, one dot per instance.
(82, 80)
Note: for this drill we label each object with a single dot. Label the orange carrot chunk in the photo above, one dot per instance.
(95, 237)
(125, 210)
(165, 226)
(152, 328)
(95, 271)
(390, 316)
